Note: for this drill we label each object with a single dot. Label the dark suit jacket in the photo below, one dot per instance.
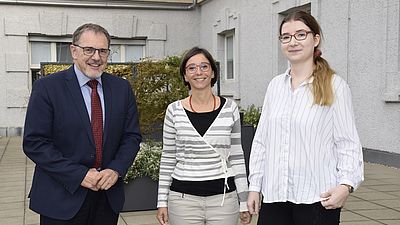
(59, 140)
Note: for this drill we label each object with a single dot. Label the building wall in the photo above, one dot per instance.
(361, 42)
(167, 32)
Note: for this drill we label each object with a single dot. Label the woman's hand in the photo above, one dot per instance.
(245, 217)
(162, 216)
(253, 202)
(335, 197)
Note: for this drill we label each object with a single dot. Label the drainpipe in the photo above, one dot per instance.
(106, 4)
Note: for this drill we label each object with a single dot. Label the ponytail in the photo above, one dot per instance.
(322, 85)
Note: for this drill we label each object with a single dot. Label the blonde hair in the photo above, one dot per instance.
(322, 89)
(322, 85)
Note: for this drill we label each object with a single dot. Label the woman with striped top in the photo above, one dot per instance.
(306, 156)
(202, 172)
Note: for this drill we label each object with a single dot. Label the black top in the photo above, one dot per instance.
(201, 122)
(203, 188)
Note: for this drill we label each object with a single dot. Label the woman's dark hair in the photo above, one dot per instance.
(195, 51)
(323, 74)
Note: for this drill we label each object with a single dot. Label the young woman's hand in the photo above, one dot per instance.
(335, 197)
(253, 202)
(162, 216)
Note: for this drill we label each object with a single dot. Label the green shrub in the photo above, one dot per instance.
(156, 85)
(251, 115)
(123, 70)
(147, 162)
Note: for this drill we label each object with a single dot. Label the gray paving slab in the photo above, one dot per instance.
(376, 202)
(380, 214)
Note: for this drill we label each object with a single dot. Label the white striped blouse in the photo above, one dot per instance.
(188, 156)
(300, 149)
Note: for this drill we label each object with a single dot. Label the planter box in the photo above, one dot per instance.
(141, 194)
(248, 132)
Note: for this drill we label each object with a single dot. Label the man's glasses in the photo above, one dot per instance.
(89, 51)
(192, 68)
(299, 35)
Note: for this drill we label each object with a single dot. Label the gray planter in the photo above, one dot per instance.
(140, 194)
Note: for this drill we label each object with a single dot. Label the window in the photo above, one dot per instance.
(128, 51)
(47, 51)
(40, 52)
(115, 53)
(63, 53)
(133, 53)
(229, 57)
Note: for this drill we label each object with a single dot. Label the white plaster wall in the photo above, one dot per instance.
(361, 42)
(378, 121)
(3, 76)
(357, 47)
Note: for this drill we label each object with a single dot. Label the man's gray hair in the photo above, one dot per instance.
(89, 27)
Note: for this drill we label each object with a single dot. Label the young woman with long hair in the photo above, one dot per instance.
(306, 156)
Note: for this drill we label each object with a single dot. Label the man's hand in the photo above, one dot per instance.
(108, 179)
(253, 202)
(335, 197)
(245, 217)
(162, 216)
(91, 179)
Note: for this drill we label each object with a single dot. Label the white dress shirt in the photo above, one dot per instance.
(86, 91)
(301, 149)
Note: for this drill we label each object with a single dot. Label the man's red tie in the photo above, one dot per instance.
(97, 122)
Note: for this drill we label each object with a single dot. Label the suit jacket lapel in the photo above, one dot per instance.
(107, 94)
(75, 91)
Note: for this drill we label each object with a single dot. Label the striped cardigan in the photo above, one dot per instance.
(188, 156)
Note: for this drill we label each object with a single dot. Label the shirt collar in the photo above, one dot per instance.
(287, 76)
(82, 78)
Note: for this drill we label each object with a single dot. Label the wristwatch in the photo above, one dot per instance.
(351, 189)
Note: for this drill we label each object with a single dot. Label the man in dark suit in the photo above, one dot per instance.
(82, 132)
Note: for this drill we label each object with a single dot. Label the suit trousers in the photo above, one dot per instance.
(288, 213)
(95, 210)
(185, 209)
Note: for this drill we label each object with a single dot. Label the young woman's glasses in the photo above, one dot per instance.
(192, 68)
(89, 51)
(299, 35)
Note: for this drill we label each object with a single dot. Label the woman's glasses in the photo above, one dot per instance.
(192, 68)
(299, 35)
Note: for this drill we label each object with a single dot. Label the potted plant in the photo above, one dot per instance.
(141, 180)
(156, 84)
(249, 120)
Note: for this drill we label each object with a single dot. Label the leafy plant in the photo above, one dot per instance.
(123, 70)
(147, 162)
(251, 115)
(157, 84)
